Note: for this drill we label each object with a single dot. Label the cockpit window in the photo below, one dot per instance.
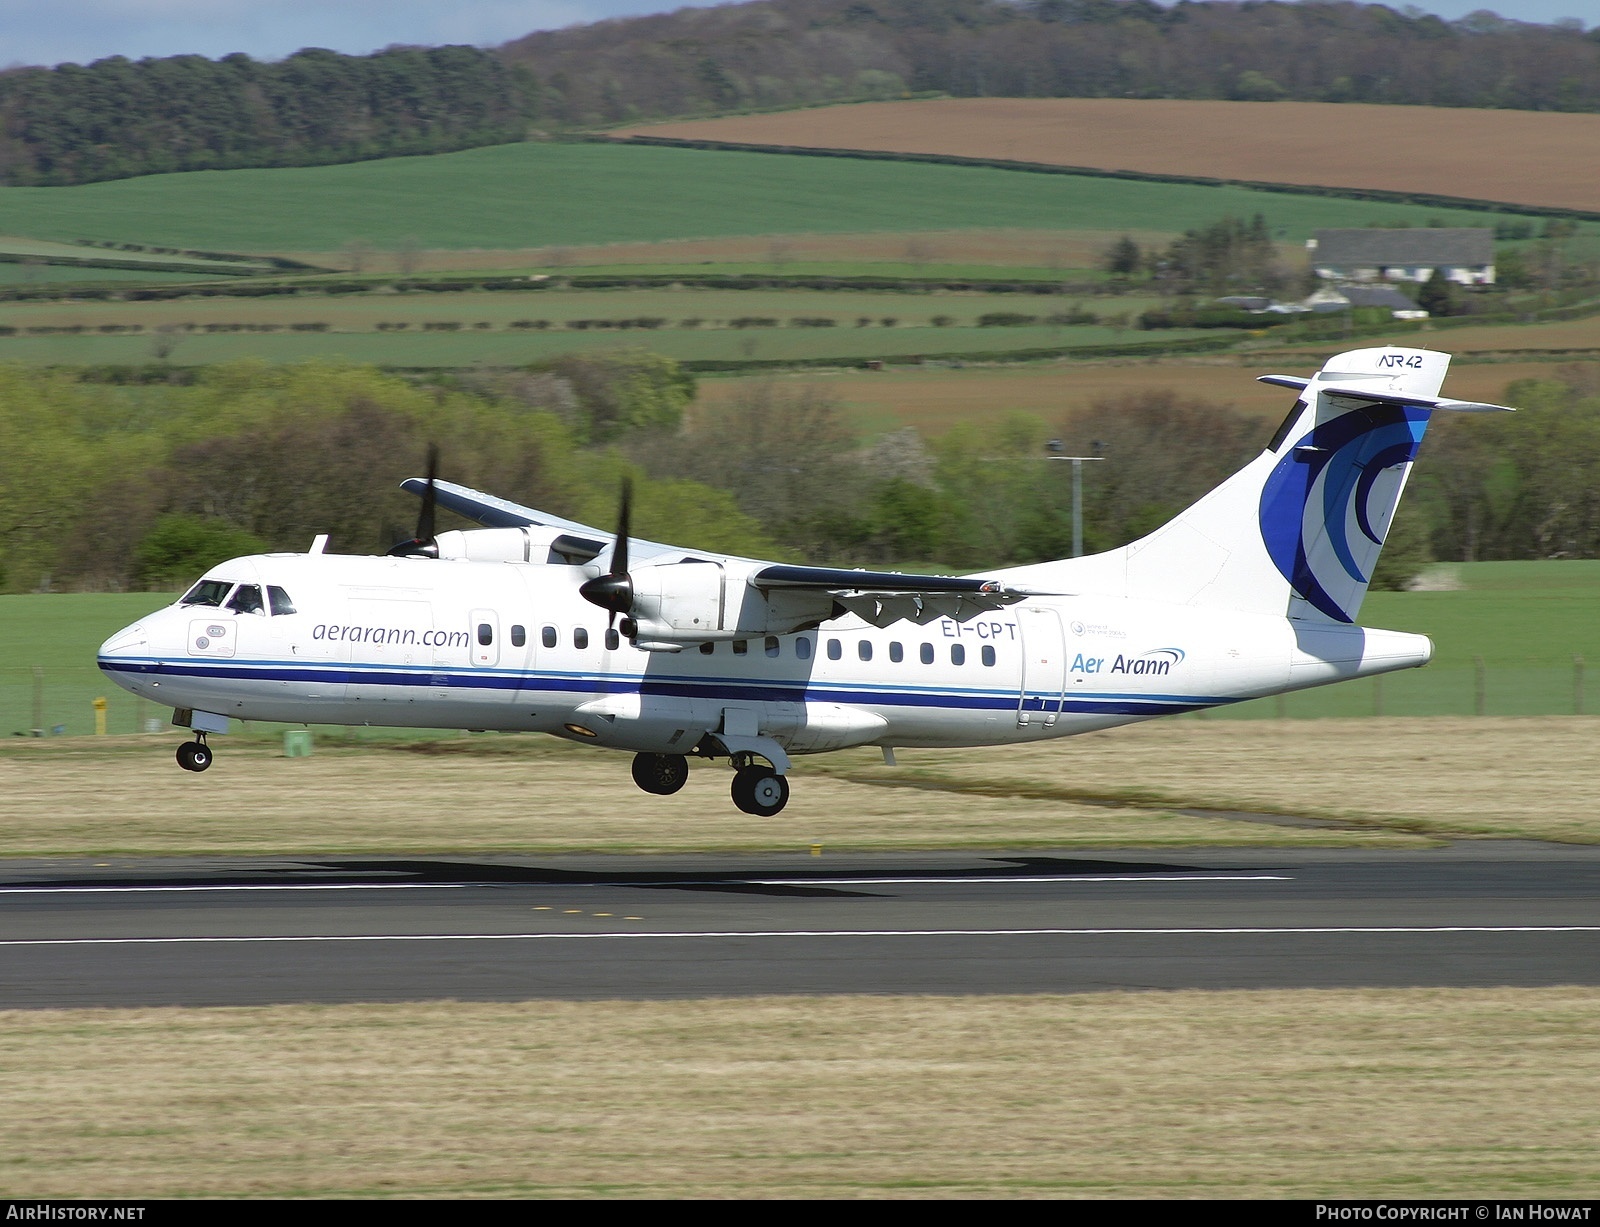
(207, 592)
(281, 604)
(247, 600)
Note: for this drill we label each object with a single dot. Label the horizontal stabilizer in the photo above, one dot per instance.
(1351, 397)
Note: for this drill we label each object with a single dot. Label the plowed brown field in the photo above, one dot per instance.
(1523, 157)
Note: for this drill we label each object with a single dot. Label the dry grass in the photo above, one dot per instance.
(935, 400)
(1276, 1094)
(1391, 782)
(1524, 157)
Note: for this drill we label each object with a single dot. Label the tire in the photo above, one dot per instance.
(760, 791)
(661, 774)
(194, 756)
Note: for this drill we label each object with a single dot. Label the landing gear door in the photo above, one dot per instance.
(1044, 667)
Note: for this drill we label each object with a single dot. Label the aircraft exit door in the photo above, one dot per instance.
(1044, 666)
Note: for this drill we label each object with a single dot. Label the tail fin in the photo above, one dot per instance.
(1297, 531)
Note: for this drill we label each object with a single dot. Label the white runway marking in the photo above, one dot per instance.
(781, 933)
(134, 890)
(837, 882)
(1010, 878)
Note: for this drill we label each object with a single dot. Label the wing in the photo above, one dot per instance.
(785, 596)
(884, 597)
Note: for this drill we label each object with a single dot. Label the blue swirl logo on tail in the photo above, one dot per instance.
(1326, 505)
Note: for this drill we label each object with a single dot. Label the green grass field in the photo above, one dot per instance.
(1527, 621)
(536, 195)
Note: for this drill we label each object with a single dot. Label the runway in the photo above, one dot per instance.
(324, 929)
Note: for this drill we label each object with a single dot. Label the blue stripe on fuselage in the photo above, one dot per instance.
(729, 688)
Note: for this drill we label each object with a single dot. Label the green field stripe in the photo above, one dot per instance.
(544, 194)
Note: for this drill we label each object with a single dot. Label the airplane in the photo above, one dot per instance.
(532, 622)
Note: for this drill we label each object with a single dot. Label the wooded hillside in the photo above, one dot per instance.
(117, 118)
(780, 53)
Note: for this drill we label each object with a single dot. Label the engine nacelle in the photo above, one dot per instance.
(696, 602)
(532, 543)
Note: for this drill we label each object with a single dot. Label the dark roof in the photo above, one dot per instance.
(1384, 248)
(1377, 296)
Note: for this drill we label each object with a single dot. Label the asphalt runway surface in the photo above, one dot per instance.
(324, 929)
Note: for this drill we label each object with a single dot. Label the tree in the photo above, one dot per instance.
(1438, 295)
(180, 548)
(1123, 258)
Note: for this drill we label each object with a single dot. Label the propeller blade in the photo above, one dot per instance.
(423, 544)
(619, 548)
(430, 496)
(614, 590)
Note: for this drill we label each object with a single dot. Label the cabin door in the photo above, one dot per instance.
(1044, 666)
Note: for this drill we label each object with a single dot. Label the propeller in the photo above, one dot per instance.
(613, 591)
(423, 544)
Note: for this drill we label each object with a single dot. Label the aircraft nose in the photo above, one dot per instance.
(125, 642)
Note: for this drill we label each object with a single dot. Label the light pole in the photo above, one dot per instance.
(1056, 447)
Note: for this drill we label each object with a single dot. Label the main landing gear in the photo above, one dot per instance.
(662, 774)
(757, 788)
(195, 755)
(760, 790)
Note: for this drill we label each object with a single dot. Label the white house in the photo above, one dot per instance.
(1466, 256)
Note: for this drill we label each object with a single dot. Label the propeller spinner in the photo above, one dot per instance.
(613, 591)
(423, 545)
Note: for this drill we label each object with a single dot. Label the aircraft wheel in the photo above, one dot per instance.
(662, 774)
(760, 791)
(194, 756)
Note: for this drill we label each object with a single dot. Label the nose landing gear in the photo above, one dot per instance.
(195, 755)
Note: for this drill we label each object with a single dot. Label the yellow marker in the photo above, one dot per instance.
(100, 706)
(573, 911)
(816, 849)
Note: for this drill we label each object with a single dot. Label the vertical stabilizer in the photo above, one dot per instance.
(1297, 531)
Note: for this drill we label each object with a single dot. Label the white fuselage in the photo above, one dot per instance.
(415, 642)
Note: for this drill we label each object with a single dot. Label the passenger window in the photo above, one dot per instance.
(280, 602)
(485, 634)
(207, 592)
(802, 649)
(519, 636)
(988, 655)
(773, 647)
(613, 640)
(580, 638)
(741, 647)
(835, 650)
(958, 654)
(247, 600)
(864, 649)
(896, 653)
(707, 648)
(927, 653)
(548, 636)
